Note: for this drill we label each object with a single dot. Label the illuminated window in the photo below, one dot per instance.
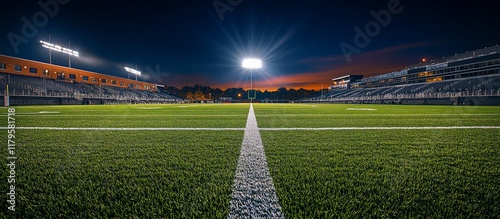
(3, 66)
(45, 72)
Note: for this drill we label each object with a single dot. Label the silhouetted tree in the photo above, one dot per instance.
(200, 92)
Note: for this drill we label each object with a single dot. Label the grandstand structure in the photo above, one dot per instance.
(471, 78)
(28, 82)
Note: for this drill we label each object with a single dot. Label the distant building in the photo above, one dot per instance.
(344, 82)
(225, 99)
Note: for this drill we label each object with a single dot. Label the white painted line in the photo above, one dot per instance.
(48, 112)
(244, 129)
(58, 114)
(361, 109)
(117, 115)
(379, 128)
(125, 129)
(149, 108)
(254, 195)
(366, 115)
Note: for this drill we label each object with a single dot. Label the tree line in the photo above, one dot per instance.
(199, 92)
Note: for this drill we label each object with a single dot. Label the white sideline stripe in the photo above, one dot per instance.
(254, 195)
(244, 129)
(378, 128)
(235, 115)
(115, 115)
(366, 115)
(126, 129)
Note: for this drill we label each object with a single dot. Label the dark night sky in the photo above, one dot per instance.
(184, 42)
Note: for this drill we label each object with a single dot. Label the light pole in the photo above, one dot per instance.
(251, 64)
(58, 48)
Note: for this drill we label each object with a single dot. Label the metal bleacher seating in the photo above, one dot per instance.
(485, 85)
(33, 86)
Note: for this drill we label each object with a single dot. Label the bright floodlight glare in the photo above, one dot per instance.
(58, 48)
(133, 71)
(252, 63)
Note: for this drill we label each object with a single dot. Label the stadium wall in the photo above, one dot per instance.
(26, 100)
(458, 101)
(31, 100)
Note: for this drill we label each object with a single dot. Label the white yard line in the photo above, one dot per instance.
(254, 195)
(378, 128)
(125, 129)
(116, 115)
(244, 129)
(366, 115)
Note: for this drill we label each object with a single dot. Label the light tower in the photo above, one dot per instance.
(57, 48)
(251, 64)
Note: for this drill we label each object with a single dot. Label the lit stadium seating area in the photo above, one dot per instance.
(41, 87)
(468, 78)
(483, 86)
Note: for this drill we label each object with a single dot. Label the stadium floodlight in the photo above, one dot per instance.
(57, 48)
(133, 71)
(251, 63)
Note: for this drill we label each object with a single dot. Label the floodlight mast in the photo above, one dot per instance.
(251, 63)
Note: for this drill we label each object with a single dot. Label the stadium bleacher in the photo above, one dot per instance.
(471, 74)
(478, 86)
(20, 85)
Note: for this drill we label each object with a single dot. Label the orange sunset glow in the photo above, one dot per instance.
(368, 64)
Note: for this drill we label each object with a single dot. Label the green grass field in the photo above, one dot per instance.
(397, 173)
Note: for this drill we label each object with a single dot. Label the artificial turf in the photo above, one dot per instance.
(452, 173)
